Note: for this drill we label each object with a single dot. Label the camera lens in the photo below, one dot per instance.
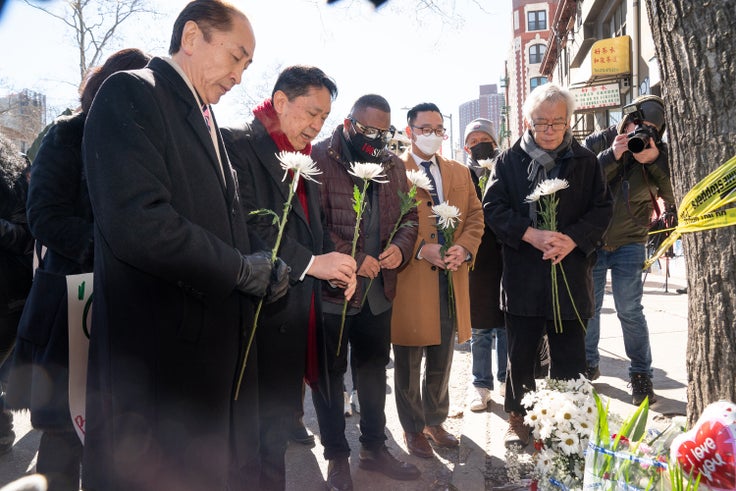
(637, 143)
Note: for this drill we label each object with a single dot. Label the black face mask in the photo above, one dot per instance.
(483, 150)
(370, 149)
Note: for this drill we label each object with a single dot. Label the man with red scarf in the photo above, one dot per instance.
(300, 102)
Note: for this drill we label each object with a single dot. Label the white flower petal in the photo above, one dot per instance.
(420, 180)
(299, 164)
(447, 215)
(368, 171)
(487, 163)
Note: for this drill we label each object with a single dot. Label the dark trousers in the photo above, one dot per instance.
(567, 354)
(59, 458)
(428, 405)
(281, 367)
(370, 343)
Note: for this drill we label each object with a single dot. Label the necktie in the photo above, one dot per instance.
(206, 114)
(433, 193)
(435, 197)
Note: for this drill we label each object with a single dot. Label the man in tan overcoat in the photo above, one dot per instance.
(422, 324)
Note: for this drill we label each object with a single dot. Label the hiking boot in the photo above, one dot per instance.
(641, 387)
(592, 373)
(480, 399)
(517, 433)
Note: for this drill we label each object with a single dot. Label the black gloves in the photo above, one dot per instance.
(259, 277)
(279, 281)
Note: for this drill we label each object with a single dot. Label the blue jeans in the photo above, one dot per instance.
(481, 344)
(625, 264)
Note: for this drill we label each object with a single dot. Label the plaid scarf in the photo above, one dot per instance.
(543, 162)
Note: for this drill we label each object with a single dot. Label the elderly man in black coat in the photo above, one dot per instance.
(547, 150)
(287, 336)
(175, 279)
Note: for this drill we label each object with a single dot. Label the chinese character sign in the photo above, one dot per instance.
(597, 96)
(611, 56)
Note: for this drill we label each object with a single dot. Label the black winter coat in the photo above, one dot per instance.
(60, 218)
(282, 330)
(485, 279)
(167, 325)
(583, 214)
(16, 241)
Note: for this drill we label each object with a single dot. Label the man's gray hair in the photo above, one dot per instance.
(550, 92)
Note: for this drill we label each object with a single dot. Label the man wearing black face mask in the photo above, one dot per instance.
(362, 138)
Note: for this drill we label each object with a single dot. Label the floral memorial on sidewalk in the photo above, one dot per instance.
(580, 445)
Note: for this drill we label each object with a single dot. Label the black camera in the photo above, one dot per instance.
(639, 138)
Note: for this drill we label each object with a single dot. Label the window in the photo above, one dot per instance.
(536, 20)
(536, 53)
(536, 82)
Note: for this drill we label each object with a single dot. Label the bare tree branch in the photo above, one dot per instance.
(95, 24)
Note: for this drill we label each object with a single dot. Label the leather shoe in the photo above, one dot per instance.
(418, 445)
(382, 461)
(338, 475)
(299, 434)
(440, 436)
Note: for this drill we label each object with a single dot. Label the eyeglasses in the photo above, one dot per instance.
(373, 133)
(546, 126)
(428, 131)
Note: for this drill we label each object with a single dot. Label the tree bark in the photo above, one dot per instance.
(696, 46)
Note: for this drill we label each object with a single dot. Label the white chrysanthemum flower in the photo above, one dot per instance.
(545, 188)
(487, 164)
(368, 171)
(420, 180)
(300, 165)
(446, 214)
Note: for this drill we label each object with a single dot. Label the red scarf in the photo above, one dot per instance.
(267, 115)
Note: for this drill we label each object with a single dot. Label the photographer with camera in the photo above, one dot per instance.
(635, 163)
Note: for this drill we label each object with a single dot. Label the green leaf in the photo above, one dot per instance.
(357, 199)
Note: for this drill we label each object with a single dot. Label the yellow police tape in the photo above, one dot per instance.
(697, 209)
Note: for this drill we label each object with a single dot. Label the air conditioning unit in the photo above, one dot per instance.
(625, 85)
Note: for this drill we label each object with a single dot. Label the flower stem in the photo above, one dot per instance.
(359, 207)
(567, 286)
(274, 256)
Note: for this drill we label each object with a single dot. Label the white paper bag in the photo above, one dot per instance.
(79, 298)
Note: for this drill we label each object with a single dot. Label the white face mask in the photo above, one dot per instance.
(429, 144)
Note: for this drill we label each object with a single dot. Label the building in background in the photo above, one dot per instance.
(488, 105)
(531, 32)
(603, 51)
(22, 117)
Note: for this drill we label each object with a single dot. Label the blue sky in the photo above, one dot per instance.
(406, 54)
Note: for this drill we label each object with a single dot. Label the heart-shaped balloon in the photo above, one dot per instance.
(710, 447)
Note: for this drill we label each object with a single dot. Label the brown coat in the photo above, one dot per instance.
(416, 312)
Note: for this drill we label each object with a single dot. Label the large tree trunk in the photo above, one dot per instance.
(696, 45)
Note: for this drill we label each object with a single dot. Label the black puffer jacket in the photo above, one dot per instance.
(337, 195)
(632, 205)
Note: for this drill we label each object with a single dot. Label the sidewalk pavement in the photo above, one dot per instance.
(478, 463)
